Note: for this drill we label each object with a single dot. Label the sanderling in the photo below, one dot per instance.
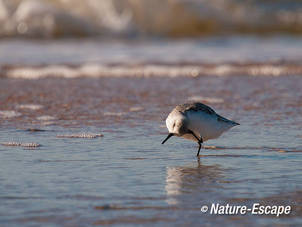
(197, 122)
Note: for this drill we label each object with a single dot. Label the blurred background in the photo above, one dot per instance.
(264, 36)
(141, 18)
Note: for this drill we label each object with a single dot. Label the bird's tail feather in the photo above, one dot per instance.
(220, 118)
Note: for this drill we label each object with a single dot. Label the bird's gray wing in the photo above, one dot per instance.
(196, 106)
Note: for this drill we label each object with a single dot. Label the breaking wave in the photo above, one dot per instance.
(175, 18)
(151, 70)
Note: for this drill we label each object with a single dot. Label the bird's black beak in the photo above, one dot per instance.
(168, 137)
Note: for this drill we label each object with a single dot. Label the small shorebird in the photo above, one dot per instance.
(197, 122)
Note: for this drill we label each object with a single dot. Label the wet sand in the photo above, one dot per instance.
(78, 177)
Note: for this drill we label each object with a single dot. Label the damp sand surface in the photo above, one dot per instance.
(100, 160)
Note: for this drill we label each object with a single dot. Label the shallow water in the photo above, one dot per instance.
(127, 176)
(211, 50)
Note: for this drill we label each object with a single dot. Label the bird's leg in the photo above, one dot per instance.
(200, 141)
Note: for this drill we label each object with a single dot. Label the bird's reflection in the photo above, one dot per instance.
(189, 180)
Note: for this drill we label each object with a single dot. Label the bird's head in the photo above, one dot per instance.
(176, 124)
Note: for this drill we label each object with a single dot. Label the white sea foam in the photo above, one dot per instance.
(150, 70)
(93, 70)
(136, 108)
(47, 123)
(16, 144)
(30, 106)
(81, 135)
(9, 114)
(114, 113)
(46, 118)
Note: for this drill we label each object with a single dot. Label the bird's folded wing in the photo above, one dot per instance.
(196, 106)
